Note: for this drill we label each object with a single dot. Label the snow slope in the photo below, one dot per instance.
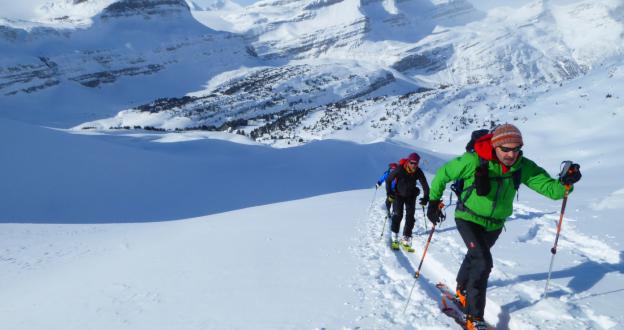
(244, 269)
(311, 263)
(587, 274)
(53, 176)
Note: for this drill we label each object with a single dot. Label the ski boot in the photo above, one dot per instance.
(406, 242)
(460, 296)
(475, 323)
(394, 243)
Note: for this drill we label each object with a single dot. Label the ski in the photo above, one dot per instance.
(449, 295)
(394, 245)
(452, 307)
(458, 317)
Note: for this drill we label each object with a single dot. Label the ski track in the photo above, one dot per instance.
(514, 301)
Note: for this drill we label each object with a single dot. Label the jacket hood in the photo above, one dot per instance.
(483, 147)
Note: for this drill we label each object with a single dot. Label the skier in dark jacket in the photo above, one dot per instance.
(491, 174)
(404, 196)
(382, 180)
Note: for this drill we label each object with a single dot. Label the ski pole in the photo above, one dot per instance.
(417, 274)
(425, 217)
(553, 250)
(372, 201)
(383, 229)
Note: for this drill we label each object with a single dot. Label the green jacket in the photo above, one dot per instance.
(482, 209)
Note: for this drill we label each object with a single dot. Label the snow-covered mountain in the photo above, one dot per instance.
(501, 60)
(131, 51)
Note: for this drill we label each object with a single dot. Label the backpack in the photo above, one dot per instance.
(383, 177)
(458, 186)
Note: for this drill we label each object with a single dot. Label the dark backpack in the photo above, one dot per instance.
(474, 137)
(458, 186)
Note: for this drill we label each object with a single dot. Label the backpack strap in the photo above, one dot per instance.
(517, 179)
(483, 163)
(515, 176)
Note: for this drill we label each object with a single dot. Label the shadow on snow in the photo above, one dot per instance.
(582, 278)
(55, 177)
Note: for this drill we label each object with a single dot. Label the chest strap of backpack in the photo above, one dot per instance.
(461, 202)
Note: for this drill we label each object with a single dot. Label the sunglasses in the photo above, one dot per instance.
(413, 163)
(506, 149)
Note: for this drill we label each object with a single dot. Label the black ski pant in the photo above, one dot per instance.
(409, 203)
(475, 269)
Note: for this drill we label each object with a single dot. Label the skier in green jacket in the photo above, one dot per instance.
(491, 176)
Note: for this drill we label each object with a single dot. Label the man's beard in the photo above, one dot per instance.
(509, 160)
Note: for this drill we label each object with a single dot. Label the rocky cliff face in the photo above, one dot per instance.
(335, 28)
(146, 8)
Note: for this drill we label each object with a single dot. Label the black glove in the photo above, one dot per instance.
(482, 181)
(433, 212)
(424, 200)
(572, 175)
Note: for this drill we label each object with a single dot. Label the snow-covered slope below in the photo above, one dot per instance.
(53, 176)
